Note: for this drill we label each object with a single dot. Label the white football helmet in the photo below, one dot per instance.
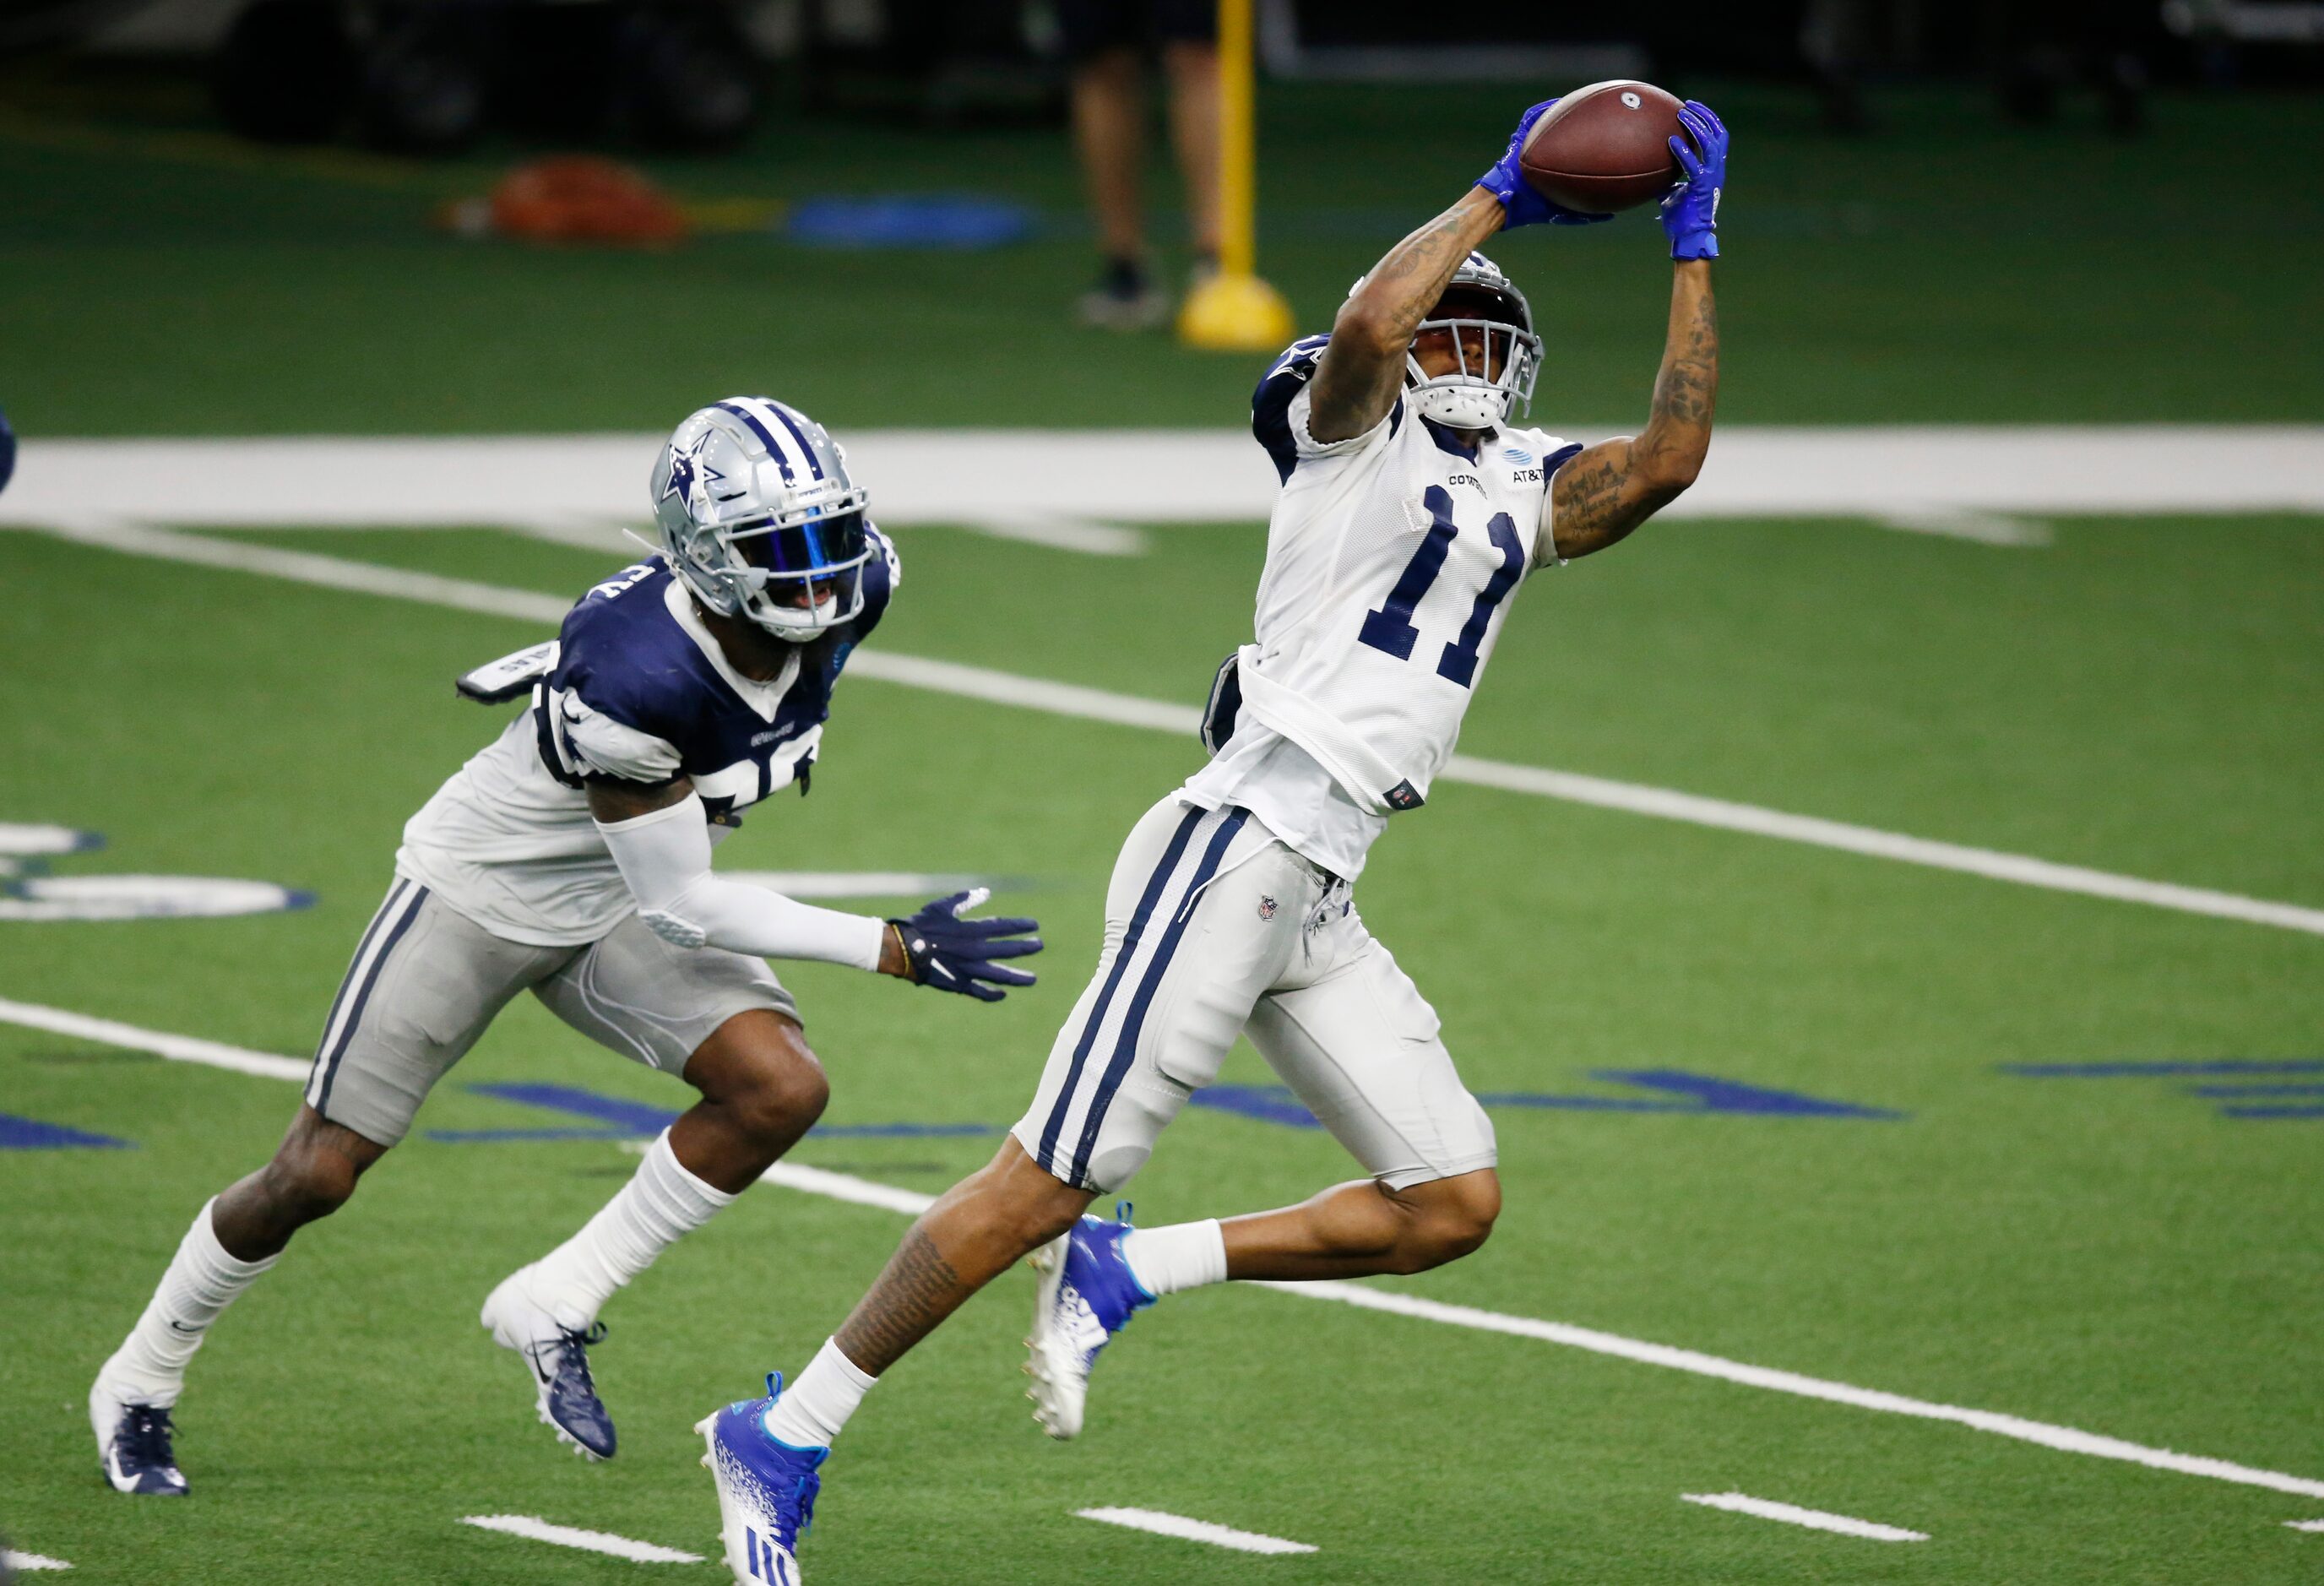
(758, 516)
(1481, 299)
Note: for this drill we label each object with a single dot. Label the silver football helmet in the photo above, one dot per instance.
(758, 516)
(1481, 300)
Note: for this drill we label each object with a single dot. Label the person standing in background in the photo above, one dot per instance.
(1106, 43)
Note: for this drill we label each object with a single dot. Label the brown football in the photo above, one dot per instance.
(1604, 148)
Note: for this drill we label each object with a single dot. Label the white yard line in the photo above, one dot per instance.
(1070, 699)
(2305, 1525)
(908, 1203)
(540, 1530)
(1793, 1515)
(178, 1049)
(1164, 1525)
(26, 1563)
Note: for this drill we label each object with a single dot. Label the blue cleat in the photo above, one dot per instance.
(133, 1444)
(558, 1358)
(766, 1490)
(1087, 1294)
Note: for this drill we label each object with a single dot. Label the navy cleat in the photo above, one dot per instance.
(766, 1490)
(557, 1356)
(133, 1444)
(1087, 1294)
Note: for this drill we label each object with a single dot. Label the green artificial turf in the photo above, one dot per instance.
(2111, 1255)
(156, 277)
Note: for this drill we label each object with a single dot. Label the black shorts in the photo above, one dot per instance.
(1092, 27)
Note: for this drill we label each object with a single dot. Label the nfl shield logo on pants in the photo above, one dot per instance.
(1265, 907)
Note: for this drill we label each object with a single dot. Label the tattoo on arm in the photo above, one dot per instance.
(919, 1289)
(1609, 490)
(1362, 369)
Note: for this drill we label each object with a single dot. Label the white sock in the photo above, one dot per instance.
(661, 1203)
(1184, 1255)
(150, 1366)
(813, 1410)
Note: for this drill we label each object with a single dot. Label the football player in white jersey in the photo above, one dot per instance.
(571, 857)
(1411, 509)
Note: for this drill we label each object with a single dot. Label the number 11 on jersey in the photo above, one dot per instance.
(1389, 628)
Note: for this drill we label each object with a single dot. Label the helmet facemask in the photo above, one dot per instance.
(1497, 353)
(801, 578)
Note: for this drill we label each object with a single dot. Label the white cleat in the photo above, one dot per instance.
(134, 1444)
(557, 1358)
(1087, 1294)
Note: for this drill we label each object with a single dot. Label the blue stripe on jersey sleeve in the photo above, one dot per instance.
(1270, 404)
(1557, 459)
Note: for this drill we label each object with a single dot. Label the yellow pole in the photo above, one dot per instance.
(1238, 142)
(1235, 310)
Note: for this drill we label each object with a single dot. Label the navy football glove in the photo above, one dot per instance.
(1691, 212)
(956, 954)
(1524, 206)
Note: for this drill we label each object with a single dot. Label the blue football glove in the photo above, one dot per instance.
(1524, 206)
(1691, 212)
(956, 954)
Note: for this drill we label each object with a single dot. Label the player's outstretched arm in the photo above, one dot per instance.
(1362, 369)
(1602, 494)
(1358, 378)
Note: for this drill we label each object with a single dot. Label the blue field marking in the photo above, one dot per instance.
(25, 1134)
(627, 1120)
(2237, 1093)
(1704, 1093)
(2165, 1070)
(2236, 1099)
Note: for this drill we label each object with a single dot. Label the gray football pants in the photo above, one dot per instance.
(1213, 929)
(426, 981)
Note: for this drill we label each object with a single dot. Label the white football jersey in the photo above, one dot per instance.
(1392, 558)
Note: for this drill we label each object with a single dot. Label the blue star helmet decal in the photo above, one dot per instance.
(682, 476)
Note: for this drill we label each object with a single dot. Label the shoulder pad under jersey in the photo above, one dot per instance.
(499, 681)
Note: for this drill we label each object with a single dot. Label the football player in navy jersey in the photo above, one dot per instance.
(1412, 509)
(571, 858)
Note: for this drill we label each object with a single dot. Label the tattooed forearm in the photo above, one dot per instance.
(918, 1290)
(1611, 488)
(1362, 369)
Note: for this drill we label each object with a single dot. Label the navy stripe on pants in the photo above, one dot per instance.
(1047, 1155)
(1125, 1049)
(354, 1015)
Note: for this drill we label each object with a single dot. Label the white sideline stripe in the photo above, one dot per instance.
(2305, 1525)
(540, 1530)
(866, 1192)
(1874, 842)
(1070, 699)
(930, 477)
(25, 1563)
(1984, 528)
(846, 1186)
(178, 1049)
(2065, 1439)
(859, 883)
(888, 1197)
(1791, 1514)
(1166, 1524)
(1096, 539)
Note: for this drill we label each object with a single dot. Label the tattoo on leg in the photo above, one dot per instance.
(918, 1290)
